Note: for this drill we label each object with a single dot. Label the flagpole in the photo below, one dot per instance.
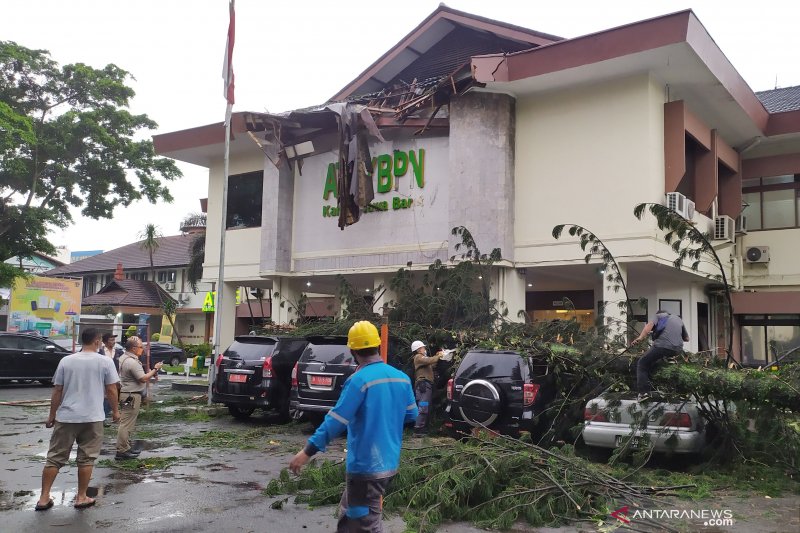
(218, 308)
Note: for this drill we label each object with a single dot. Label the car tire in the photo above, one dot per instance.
(46, 382)
(483, 405)
(175, 361)
(240, 413)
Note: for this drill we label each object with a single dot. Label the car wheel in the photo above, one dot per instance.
(175, 361)
(46, 382)
(241, 413)
(480, 403)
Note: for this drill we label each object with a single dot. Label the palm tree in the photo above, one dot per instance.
(197, 252)
(150, 237)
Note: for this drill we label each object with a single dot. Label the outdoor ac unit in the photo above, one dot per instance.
(757, 254)
(169, 286)
(741, 224)
(689, 209)
(677, 202)
(724, 228)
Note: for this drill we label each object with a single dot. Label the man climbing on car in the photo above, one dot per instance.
(376, 402)
(668, 334)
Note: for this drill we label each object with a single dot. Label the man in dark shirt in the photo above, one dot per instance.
(669, 334)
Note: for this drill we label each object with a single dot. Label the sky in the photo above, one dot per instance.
(296, 54)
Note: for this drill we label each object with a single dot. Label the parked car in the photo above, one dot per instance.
(165, 353)
(499, 390)
(669, 427)
(256, 373)
(319, 375)
(26, 357)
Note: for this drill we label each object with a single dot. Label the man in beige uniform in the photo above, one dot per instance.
(423, 384)
(134, 381)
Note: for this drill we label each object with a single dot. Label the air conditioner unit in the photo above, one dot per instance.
(741, 224)
(689, 209)
(170, 286)
(757, 254)
(724, 228)
(677, 202)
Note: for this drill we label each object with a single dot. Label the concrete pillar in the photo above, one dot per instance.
(277, 218)
(228, 310)
(382, 292)
(284, 304)
(508, 286)
(481, 184)
(615, 316)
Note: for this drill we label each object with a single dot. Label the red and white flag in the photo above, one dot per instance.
(227, 66)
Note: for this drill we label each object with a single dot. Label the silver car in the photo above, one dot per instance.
(668, 427)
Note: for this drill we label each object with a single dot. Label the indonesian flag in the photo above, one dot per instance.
(227, 66)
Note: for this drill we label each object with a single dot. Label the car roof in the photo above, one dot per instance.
(327, 339)
(256, 339)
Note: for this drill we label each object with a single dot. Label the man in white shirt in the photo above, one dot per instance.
(80, 383)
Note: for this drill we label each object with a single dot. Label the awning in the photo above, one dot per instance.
(766, 303)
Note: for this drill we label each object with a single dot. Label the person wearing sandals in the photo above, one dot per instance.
(76, 414)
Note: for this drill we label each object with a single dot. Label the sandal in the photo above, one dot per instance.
(40, 507)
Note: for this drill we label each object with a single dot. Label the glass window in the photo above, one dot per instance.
(753, 345)
(782, 340)
(9, 341)
(779, 208)
(29, 343)
(752, 182)
(753, 210)
(244, 200)
(777, 180)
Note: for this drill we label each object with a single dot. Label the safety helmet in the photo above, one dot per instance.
(416, 345)
(363, 334)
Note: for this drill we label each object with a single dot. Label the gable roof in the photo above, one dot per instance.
(454, 36)
(173, 251)
(129, 293)
(781, 100)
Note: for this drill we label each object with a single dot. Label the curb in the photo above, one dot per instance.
(189, 386)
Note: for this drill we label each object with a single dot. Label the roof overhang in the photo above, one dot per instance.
(675, 49)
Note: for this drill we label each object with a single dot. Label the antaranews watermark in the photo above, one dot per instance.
(708, 517)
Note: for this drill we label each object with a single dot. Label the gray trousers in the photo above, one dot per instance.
(423, 390)
(361, 506)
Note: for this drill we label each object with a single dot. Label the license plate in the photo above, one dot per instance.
(323, 381)
(634, 442)
(237, 378)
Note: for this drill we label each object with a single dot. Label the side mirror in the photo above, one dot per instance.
(50, 348)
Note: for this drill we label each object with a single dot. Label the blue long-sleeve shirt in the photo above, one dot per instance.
(376, 402)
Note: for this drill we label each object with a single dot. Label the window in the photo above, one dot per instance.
(244, 200)
(766, 338)
(29, 343)
(673, 307)
(89, 285)
(166, 275)
(773, 202)
(137, 275)
(9, 342)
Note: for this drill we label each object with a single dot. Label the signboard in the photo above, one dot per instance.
(48, 306)
(410, 211)
(166, 329)
(211, 297)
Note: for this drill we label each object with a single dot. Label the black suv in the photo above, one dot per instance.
(255, 372)
(500, 390)
(319, 375)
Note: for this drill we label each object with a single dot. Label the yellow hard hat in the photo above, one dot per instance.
(363, 334)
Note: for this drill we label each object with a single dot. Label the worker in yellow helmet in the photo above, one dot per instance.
(376, 402)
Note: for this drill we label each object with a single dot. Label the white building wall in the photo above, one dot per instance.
(782, 272)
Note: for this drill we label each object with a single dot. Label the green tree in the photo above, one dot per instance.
(150, 242)
(67, 140)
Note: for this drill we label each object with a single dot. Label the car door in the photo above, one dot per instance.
(39, 357)
(9, 355)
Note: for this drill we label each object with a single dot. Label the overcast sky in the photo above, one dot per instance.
(296, 54)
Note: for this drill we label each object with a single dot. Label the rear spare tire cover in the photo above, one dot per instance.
(480, 403)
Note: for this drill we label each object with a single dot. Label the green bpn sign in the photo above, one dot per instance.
(388, 169)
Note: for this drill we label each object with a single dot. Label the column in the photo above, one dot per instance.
(227, 308)
(615, 317)
(508, 286)
(285, 303)
(382, 293)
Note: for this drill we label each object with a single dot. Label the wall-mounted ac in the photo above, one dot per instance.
(757, 254)
(741, 224)
(677, 202)
(169, 286)
(724, 228)
(689, 209)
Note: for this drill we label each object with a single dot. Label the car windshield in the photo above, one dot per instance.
(332, 354)
(249, 351)
(481, 365)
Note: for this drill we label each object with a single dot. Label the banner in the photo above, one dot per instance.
(166, 329)
(47, 306)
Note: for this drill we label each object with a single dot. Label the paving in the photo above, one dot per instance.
(204, 488)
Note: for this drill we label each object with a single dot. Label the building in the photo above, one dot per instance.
(509, 132)
(80, 255)
(133, 292)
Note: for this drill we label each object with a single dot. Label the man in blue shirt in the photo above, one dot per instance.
(376, 402)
